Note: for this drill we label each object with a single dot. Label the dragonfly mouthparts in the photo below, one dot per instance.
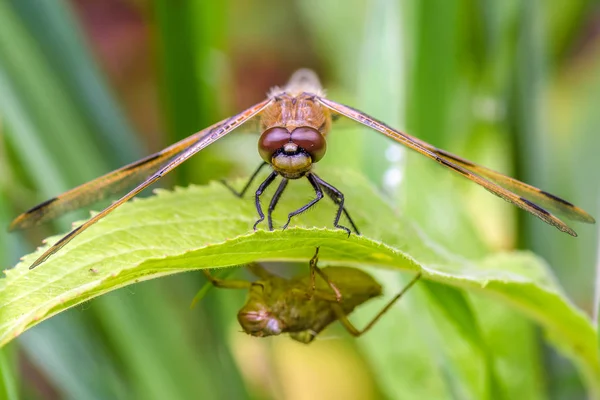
(290, 147)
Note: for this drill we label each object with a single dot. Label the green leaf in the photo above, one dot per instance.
(205, 227)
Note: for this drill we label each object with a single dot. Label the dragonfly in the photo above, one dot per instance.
(294, 120)
(304, 306)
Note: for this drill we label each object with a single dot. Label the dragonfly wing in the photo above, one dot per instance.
(552, 203)
(527, 197)
(203, 138)
(104, 186)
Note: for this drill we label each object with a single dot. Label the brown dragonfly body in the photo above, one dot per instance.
(294, 122)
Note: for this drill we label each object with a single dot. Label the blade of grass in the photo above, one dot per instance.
(339, 51)
(8, 378)
(547, 162)
(458, 311)
(42, 94)
(179, 83)
(381, 85)
(563, 25)
(514, 342)
(71, 61)
(597, 288)
(435, 70)
(73, 359)
(144, 319)
(189, 36)
(22, 133)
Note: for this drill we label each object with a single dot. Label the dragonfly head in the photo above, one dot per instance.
(256, 318)
(259, 322)
(292, 153)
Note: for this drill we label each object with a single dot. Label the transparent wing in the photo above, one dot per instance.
(552, 203)
(531, 199)
(175, 155)
(104, 186)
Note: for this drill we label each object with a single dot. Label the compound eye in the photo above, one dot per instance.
(311, 140)
(272, 140)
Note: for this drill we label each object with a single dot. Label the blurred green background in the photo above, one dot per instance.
(87, 86)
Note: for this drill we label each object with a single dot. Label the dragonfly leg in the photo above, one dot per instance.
(226, 283)
(220, 283)
(258, 193)
(245, 189)
(314, 269)
(338, 198)
(260, 271)
(319, 196)
(274, 201)
(343, 318)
